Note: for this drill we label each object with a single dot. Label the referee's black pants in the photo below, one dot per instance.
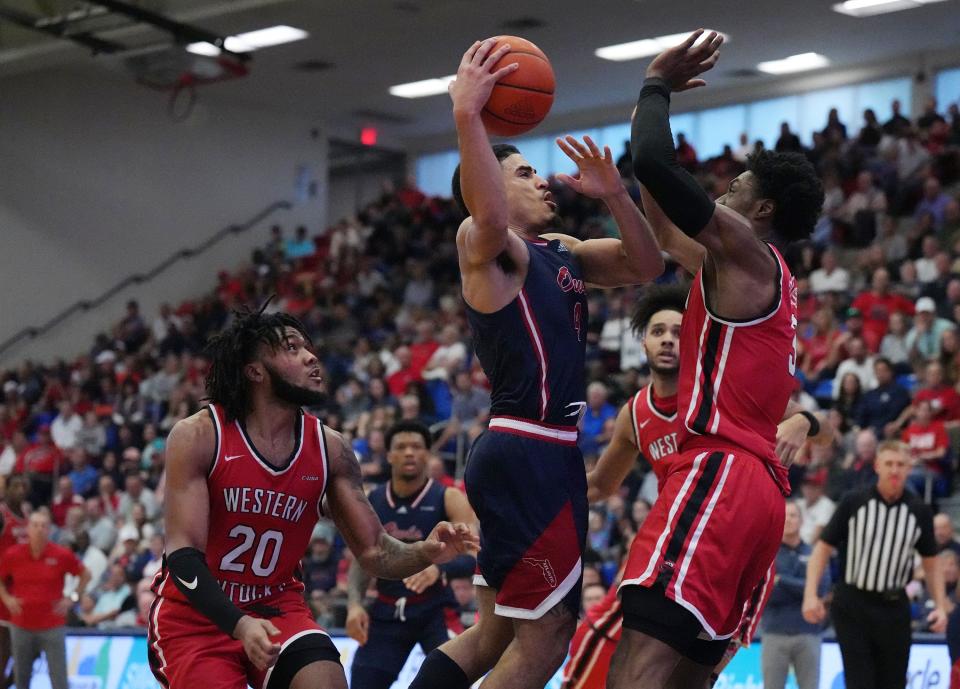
(873, 631)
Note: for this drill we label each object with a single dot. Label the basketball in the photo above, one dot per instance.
(521, 100)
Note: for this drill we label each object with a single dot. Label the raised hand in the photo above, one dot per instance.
(597, 175)
(475, 80)
(681, 65)
(447, 541)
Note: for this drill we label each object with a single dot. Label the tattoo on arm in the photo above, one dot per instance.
(358, 581)
(377, 552)
(397, 560)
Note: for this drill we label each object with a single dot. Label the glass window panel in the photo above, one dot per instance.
(434, 172)
(539, 151)
(879, 95)
(816, 105)
(947, 88)
(764, 118)
(686, 123)
(719, 127)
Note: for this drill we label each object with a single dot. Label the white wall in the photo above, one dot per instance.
(96, 182)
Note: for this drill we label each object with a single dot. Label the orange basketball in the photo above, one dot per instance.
(521, 100)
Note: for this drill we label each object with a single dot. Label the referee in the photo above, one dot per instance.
(876, 531)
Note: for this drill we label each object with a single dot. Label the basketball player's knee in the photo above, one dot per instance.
(549, 637)
(493, 638)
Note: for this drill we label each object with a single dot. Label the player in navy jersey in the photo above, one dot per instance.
(247, 478)
(527, 308)
(709, 540)
(421, 608)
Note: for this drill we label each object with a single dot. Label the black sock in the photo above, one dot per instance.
(440, 672)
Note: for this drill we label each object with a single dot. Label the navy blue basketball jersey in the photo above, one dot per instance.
(532, 349)
(410, 519)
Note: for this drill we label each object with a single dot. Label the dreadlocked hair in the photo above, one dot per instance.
(236, 346)
(657, 298)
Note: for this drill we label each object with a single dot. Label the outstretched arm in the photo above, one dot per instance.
(681, 248)
(727, 236)
(377, 552)
(481, 180)
(635, 257)
(616, 461)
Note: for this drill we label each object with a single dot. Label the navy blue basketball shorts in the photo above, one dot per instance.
(527, 484)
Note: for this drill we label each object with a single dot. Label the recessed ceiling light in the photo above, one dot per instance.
(794, 63)
(251, 40)
(644, 47)
(868, 8)
(421, 89)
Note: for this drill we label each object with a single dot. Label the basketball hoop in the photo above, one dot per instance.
(180, 72)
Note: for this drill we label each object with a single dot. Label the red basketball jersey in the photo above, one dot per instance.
(736, 376)
(14, 528)
(655, 428)
(261, 516)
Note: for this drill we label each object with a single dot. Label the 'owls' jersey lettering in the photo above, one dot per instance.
(533, 349)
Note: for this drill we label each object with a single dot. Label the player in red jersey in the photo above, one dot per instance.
(247, 478)
(14, 517)
(716, 526)
(647, 425)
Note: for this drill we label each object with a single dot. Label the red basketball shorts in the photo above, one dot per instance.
(591, 651)
(186, 650)
(711, 537)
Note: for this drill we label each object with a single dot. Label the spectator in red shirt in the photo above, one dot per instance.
(64, 500)
(31, 586)
(409, 195)
(877, 305)
(929, 444)
(686, 154)
(944, 400)
(40, 460)
(818, 345)
(853, 329)
(423, 347)
(398, 380)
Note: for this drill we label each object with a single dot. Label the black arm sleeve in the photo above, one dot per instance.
(460, 566)
(655, 162)
(191, 575)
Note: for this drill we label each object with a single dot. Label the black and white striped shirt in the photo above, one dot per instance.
(876, 540)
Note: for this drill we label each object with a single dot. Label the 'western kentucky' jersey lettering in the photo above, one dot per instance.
(261, 516)
(655, 429)
(533, 349)
(736, 376)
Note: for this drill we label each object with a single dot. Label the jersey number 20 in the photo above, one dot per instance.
(229, 562)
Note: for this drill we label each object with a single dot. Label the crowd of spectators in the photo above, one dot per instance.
(878, 347)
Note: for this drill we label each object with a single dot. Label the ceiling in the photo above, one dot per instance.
(372, 44)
